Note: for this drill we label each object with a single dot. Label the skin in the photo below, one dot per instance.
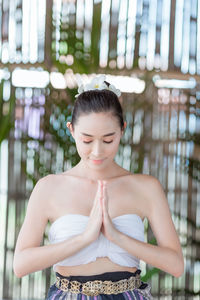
(101, 188)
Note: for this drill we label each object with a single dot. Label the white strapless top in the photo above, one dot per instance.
(70, 225)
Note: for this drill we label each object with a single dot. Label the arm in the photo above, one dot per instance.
(29, 256)
(167, 256)
(36, 258)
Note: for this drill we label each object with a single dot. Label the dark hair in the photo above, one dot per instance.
(97, 101)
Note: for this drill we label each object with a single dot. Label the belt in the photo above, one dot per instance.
(96, 287)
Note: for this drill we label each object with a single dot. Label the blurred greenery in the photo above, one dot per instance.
(85, 59)
(6, 114)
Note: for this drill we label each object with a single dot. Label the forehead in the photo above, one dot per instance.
(97, 123)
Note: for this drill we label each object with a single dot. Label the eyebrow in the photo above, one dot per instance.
(108, 134)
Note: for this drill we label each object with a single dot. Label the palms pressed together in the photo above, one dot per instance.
(99, 220)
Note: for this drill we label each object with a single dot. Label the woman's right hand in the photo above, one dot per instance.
(94, 224)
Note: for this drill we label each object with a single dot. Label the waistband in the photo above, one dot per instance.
(114, 276)
(105, 283)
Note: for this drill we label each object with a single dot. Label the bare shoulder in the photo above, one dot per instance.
(152, 188)
(153, 195)
(148, 184)
(144, 178)
(41, 191)
(49, 182)
(43, 186)
(149, 190)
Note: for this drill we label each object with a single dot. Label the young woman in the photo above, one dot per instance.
(96, 210)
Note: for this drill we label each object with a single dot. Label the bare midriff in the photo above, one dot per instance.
(99, 266)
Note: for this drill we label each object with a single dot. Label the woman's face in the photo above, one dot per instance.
(97, 137)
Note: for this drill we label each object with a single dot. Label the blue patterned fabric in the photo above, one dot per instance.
(142, 293)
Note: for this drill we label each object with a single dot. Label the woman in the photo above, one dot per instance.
(96, 210)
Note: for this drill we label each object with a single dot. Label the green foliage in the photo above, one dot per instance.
(6, 112)
(85, 59)
(150, 273)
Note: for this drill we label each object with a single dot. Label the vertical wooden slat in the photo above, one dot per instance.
(171, 40)
(48, 34)
(193, 37)
(113, 29)
(96, 33)
(19, 27)
(5, 18)
(158, 26)
(5, 270)
(137, 33)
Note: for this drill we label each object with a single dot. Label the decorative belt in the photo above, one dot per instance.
(96, 287)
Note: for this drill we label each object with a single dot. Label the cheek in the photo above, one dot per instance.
(116, 142)
(81, 148)
(113, 147)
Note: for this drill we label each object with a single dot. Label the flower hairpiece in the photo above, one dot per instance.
(98, 83)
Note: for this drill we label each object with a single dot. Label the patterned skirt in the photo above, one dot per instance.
(140, 293)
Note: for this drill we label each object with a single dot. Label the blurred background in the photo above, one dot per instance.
(150, 50)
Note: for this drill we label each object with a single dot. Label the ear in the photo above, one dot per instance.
(125, 124)
(69, 126)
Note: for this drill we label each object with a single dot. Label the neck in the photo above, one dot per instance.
(98, 174)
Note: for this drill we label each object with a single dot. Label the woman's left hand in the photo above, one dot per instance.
(108, 229)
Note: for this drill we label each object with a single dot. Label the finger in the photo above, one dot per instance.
(99, 188)
(97, 207)
(105, 211)
(105, 196)
(100, 194)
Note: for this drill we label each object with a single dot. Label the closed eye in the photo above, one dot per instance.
(91, 142)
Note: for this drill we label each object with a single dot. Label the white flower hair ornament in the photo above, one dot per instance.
(98, 83)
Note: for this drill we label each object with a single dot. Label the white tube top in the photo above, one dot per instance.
(70, 225)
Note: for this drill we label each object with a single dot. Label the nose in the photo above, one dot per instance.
(97, 149)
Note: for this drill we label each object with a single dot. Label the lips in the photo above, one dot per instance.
(97, 161)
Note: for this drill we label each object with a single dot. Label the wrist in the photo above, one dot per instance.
(116, 236)
(85, 239)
